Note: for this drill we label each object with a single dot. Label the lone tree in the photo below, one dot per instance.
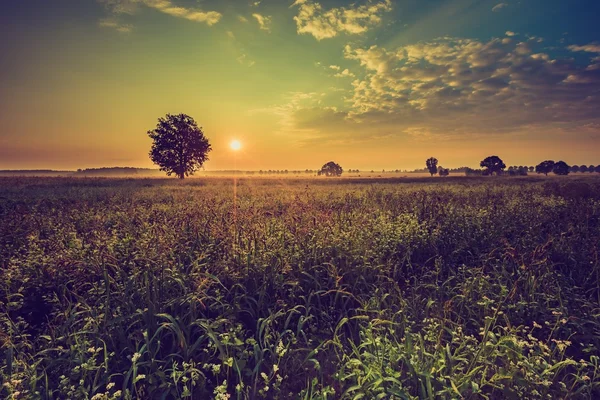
(443, 171)
(432, 165)
(493, 164)
(545, 167)
(179, 147)
(331, 169)
(561, 168)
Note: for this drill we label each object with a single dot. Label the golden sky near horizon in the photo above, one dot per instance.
(381, 84)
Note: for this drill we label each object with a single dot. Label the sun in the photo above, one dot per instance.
(235, 145)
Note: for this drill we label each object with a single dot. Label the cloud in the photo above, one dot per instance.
(472, 86)
(313, 20)
(589, 48)
(241, 18)
(164, 6)
(499, 7)
(115, 24)
(510, 33)
(345, 74)
(452, 87)
(263, 21)
(335, 67)
(243, 59)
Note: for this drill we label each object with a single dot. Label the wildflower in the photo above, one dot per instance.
(139, 378)
(135, 357)
(110, 385)
(275, 368)
(536, 325)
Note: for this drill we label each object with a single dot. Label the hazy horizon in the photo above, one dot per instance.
(372, 85)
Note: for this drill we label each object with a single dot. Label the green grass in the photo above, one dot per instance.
(310, 289)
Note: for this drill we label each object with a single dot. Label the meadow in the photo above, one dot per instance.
(424, 288)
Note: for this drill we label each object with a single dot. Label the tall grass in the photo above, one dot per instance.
(468, 288)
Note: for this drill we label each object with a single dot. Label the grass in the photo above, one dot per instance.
(468, 288)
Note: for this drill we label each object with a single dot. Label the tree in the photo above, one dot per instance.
(443, 171)
(597, 169)
(583, 168)
(591, 168)
(575, 168)
(331, 169)
(431, 164)
(531, 169)
(180, 146)
(493, 164)
(545, 167)
(561, 168)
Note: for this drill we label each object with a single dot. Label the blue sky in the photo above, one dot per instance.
(371, 84)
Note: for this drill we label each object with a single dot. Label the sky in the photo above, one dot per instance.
(380, 84)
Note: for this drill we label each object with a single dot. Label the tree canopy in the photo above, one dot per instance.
(545, 167)
(179, 146)
(493, 164)
(561, 168)
(431, 164)
(331, 169)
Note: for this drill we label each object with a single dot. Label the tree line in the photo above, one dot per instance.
(179, 147)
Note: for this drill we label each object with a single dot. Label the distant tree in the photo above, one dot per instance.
(180, 146)
(531, 169)
(331, 169)
(471, 171)
(591, 168)
(561, 168)
(431, 164)
(443, 171)
(522, 171)
(492, 164)
(583, 168)
(545, 167)
(575, 168)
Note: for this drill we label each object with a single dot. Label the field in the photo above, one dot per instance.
(399, 288)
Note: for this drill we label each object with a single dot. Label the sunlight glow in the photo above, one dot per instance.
(235, 145)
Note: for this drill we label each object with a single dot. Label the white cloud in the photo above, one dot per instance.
(335, 67)
(165, 7)
(510, 33)
(244, 60)
(499, 7)
(313, 20)
(345, 74)
(264, 21)
(470, 87)
(589, 48)
(115, 24)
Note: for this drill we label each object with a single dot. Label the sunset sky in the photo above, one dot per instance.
(368, 84)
